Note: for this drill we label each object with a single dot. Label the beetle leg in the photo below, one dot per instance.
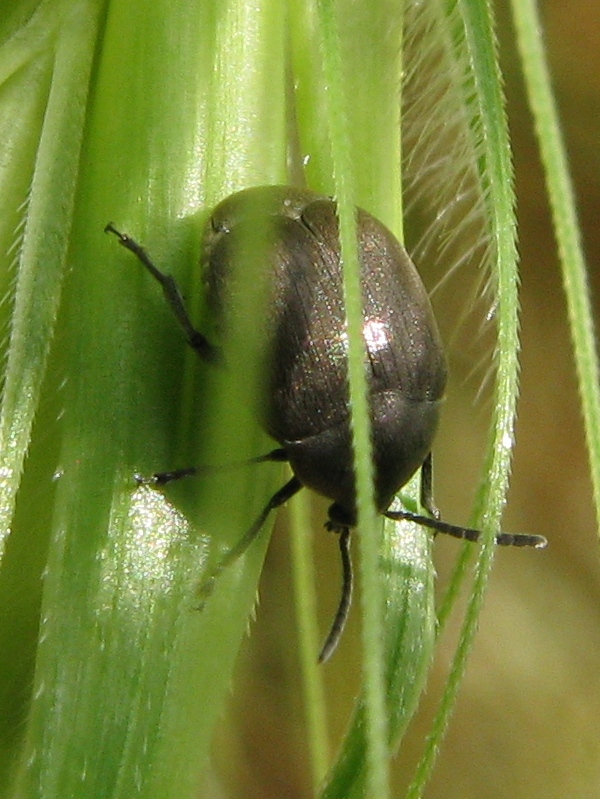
(339, 621)
(468, 533)
(427, 488)
(278, 455)
(279, 498)
(207, 351)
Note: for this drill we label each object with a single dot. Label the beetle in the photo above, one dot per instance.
(306, 395)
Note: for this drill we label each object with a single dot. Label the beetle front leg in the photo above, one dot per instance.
(207, 351)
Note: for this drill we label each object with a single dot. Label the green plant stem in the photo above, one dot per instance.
(372, 594)
(306, 617)
(496, 174)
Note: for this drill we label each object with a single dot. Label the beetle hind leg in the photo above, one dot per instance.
(467, 533)
(279, 498)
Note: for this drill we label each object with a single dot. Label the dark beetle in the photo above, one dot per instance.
(305, 352)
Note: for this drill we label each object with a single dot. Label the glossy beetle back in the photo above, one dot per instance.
(305, 339)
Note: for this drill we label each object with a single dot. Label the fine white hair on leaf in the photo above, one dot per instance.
(448, 229)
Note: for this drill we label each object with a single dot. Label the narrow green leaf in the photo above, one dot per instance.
(306, 614)
(42, 244)
(564, 214)
(471, 26)
(129, 676)
(410, 632)
(377, 779)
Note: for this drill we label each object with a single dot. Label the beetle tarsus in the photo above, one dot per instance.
(163, 478)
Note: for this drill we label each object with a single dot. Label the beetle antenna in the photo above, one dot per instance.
(339, 621)
(467, 533)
